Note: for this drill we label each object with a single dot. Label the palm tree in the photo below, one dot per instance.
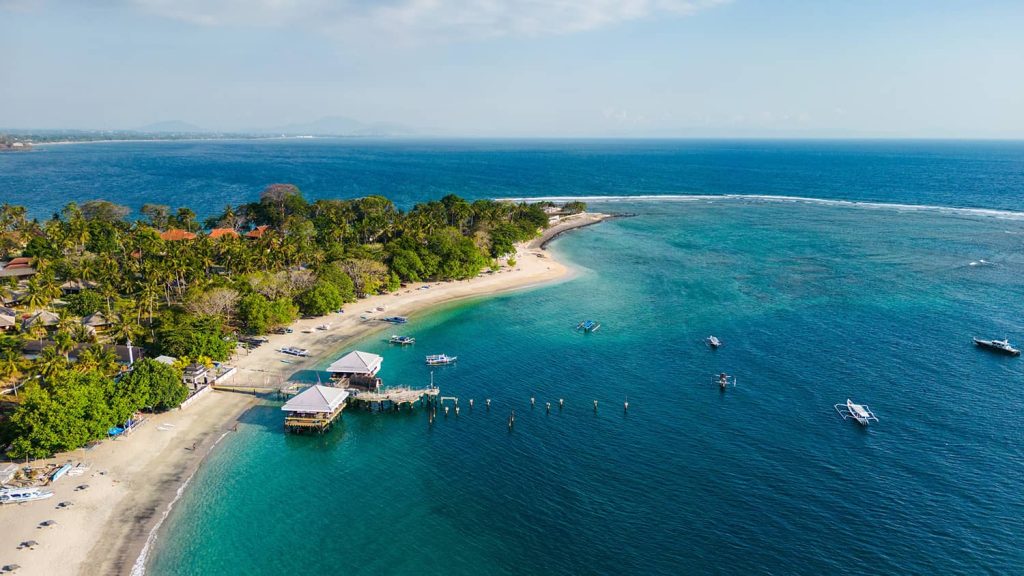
(49, 363)
(12, 365)
(125, 328)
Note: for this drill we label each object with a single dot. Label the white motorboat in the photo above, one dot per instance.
(18, 495)
(998, 346)
(859, 412)
(714, 342)
(441, 359)
(295, 351)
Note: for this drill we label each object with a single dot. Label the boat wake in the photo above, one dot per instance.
(985, 212)
(139, 568)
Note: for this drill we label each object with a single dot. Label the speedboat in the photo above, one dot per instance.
(18, 495)
(998, 346)
(402, 340)
(714, 342)
(859, 412)
(440, 359)
(295, 351)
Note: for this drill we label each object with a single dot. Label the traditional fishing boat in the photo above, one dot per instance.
(588, 326)
(294, 351)
(402, 340)
(1002, 346)
(859, 412)
(440, 359)
(396, 319)
(714, 342)
(724, 381)
(18, 495)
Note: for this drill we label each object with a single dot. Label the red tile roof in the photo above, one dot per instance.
(175, 234)
(21, 262)
(221, 232)
(258, 232)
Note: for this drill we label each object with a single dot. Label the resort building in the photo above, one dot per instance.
(314, 409)
(257, 232)
(222, 233)
(357, 370)
(96, 321)
(176, 234)
(8, 319)
(195, 374)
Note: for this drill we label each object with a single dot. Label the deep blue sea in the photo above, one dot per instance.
(206, 175)
(815, 302)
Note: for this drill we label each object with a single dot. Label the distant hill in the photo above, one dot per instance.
(176, 126)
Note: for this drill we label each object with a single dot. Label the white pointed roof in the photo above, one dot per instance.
(357, 363)
(316, 398)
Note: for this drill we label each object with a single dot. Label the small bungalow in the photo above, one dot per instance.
(176, 234)
(357, 370)
(125, 355)
(41, 318)
(95, 321)
(8, 319)
(223, 233)
(17, 268)
(257, 232)
(76, 286)
(315, 408)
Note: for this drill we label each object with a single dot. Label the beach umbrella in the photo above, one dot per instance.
(47, 523)
(29, 544)
(11, 567)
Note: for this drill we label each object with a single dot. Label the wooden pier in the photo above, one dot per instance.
(395, 397)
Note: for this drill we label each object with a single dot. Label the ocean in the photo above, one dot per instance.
(815, 301)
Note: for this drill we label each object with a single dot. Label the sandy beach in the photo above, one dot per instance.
(132, 480)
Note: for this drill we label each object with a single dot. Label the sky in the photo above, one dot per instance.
(522, 68)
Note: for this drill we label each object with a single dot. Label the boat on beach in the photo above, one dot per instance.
(294, 351)
(588, 326)
(396, 319)
(859, 412)
(714, 342)
(440, 359)
(1002, 346)
(19, 495)
(402, 340)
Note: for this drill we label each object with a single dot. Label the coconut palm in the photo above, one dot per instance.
(12, 365)
(50, 363)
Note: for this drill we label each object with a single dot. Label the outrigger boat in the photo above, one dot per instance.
(724, 380)
(441, 359)
(294, 351)
(714, 342)
(402, 340)
(396, 319)
(998, 346)
(588, 326)
(859, 412)
(18, 495)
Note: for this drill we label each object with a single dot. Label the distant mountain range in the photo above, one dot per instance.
(326, 126)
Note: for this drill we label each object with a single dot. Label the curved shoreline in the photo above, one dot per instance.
(138, 549)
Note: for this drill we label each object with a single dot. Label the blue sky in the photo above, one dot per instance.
(522, 67)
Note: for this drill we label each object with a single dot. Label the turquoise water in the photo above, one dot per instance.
(815, 304)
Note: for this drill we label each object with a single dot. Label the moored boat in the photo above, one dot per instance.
(714, 342)
(294, 351)
(396, 319)
(1002, 346)
(588, 326)
(440, 359)
(402, 340)
(18, 495)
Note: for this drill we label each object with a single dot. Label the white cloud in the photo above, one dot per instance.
(445, 20)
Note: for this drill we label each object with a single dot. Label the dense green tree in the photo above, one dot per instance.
(259, 315)
(152, 385)
(321, 299)
(85, 303)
